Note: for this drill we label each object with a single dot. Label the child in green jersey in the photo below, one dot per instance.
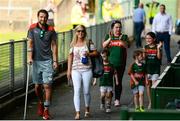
(138, 77)
(153, 55)
(106, 83)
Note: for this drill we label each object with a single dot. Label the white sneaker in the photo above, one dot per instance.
(116, 103)
(108, 110)
(102, 106)
(149, 106)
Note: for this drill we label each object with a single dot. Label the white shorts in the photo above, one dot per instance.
(153, 77)
(138, 89)
(104, 89)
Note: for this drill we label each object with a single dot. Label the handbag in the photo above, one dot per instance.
(97, 64)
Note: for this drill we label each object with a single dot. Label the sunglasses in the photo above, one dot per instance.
(81, 31)
(42, 32)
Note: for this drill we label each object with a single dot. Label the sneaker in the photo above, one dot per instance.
(116, 103)
(141, 109)
(40, 110)
(137, 110)
(108, 110)
(87, 114)
(46, 115)
(149, 106)
(102, 106)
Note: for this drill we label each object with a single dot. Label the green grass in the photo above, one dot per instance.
(5, 37)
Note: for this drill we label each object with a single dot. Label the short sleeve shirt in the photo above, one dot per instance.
(42, 39)
(152, 62)
(117, 51)
(107, 78)
(139, 73)
(78, 53)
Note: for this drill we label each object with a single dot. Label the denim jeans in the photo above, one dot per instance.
(165, 38)
(138, 28)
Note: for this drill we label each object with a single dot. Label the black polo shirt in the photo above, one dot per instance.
(42, 39)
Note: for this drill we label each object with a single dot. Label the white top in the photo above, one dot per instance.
(162, 23)
(78, 53)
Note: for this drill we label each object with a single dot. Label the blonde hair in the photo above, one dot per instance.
(74, 41)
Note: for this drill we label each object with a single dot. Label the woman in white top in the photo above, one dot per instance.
(80, 67)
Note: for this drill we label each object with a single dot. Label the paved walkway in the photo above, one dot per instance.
(62, 100)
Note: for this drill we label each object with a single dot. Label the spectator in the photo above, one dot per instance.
(152, 10)
(153, 57)
(80, 68)
(117, 42)
(162, 26)
(139, 19)
(137, 72)
(43, 55)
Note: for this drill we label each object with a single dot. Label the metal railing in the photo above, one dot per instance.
(13, 55)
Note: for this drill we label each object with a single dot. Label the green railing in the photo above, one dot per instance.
(167, 88)
(165, 97)
(13, 55)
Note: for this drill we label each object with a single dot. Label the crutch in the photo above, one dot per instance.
(27, 84)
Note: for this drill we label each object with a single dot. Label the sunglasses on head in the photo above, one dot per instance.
(42, 33)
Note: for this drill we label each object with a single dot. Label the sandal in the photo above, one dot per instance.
(87, 114)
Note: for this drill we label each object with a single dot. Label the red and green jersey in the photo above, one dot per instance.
(107, 78)
(152, 62)
(139, 72)
(117, 52)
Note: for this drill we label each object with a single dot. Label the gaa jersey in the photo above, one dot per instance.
(139, 72)
(152, 62)
(117, 52)
(107, 78)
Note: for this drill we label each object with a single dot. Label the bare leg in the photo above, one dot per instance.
(136, 100)
(148, 87)
(39, 92)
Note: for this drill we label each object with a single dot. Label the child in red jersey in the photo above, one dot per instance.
(153, 55)
(137, 72)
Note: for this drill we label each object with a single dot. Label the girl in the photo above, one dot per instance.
(153, 57)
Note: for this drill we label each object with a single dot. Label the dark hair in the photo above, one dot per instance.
(114, 22)
(163, 6)
(105, 51)
(43, 11)
(137, 53)
(152, 34)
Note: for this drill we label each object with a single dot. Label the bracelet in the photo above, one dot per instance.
(54, 61)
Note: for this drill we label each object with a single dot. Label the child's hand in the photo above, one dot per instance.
(94, 82)
(136, 83)
(147, 82)
(159, 45)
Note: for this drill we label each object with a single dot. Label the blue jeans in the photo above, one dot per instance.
(165, 38)
(138, 28)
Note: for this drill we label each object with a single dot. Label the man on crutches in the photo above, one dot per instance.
(43, 55)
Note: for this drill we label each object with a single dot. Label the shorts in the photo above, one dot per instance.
(152, 77)
(138, 89)
(42, 72)
(104, 89)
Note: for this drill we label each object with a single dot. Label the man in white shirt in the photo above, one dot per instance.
(162, 26)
